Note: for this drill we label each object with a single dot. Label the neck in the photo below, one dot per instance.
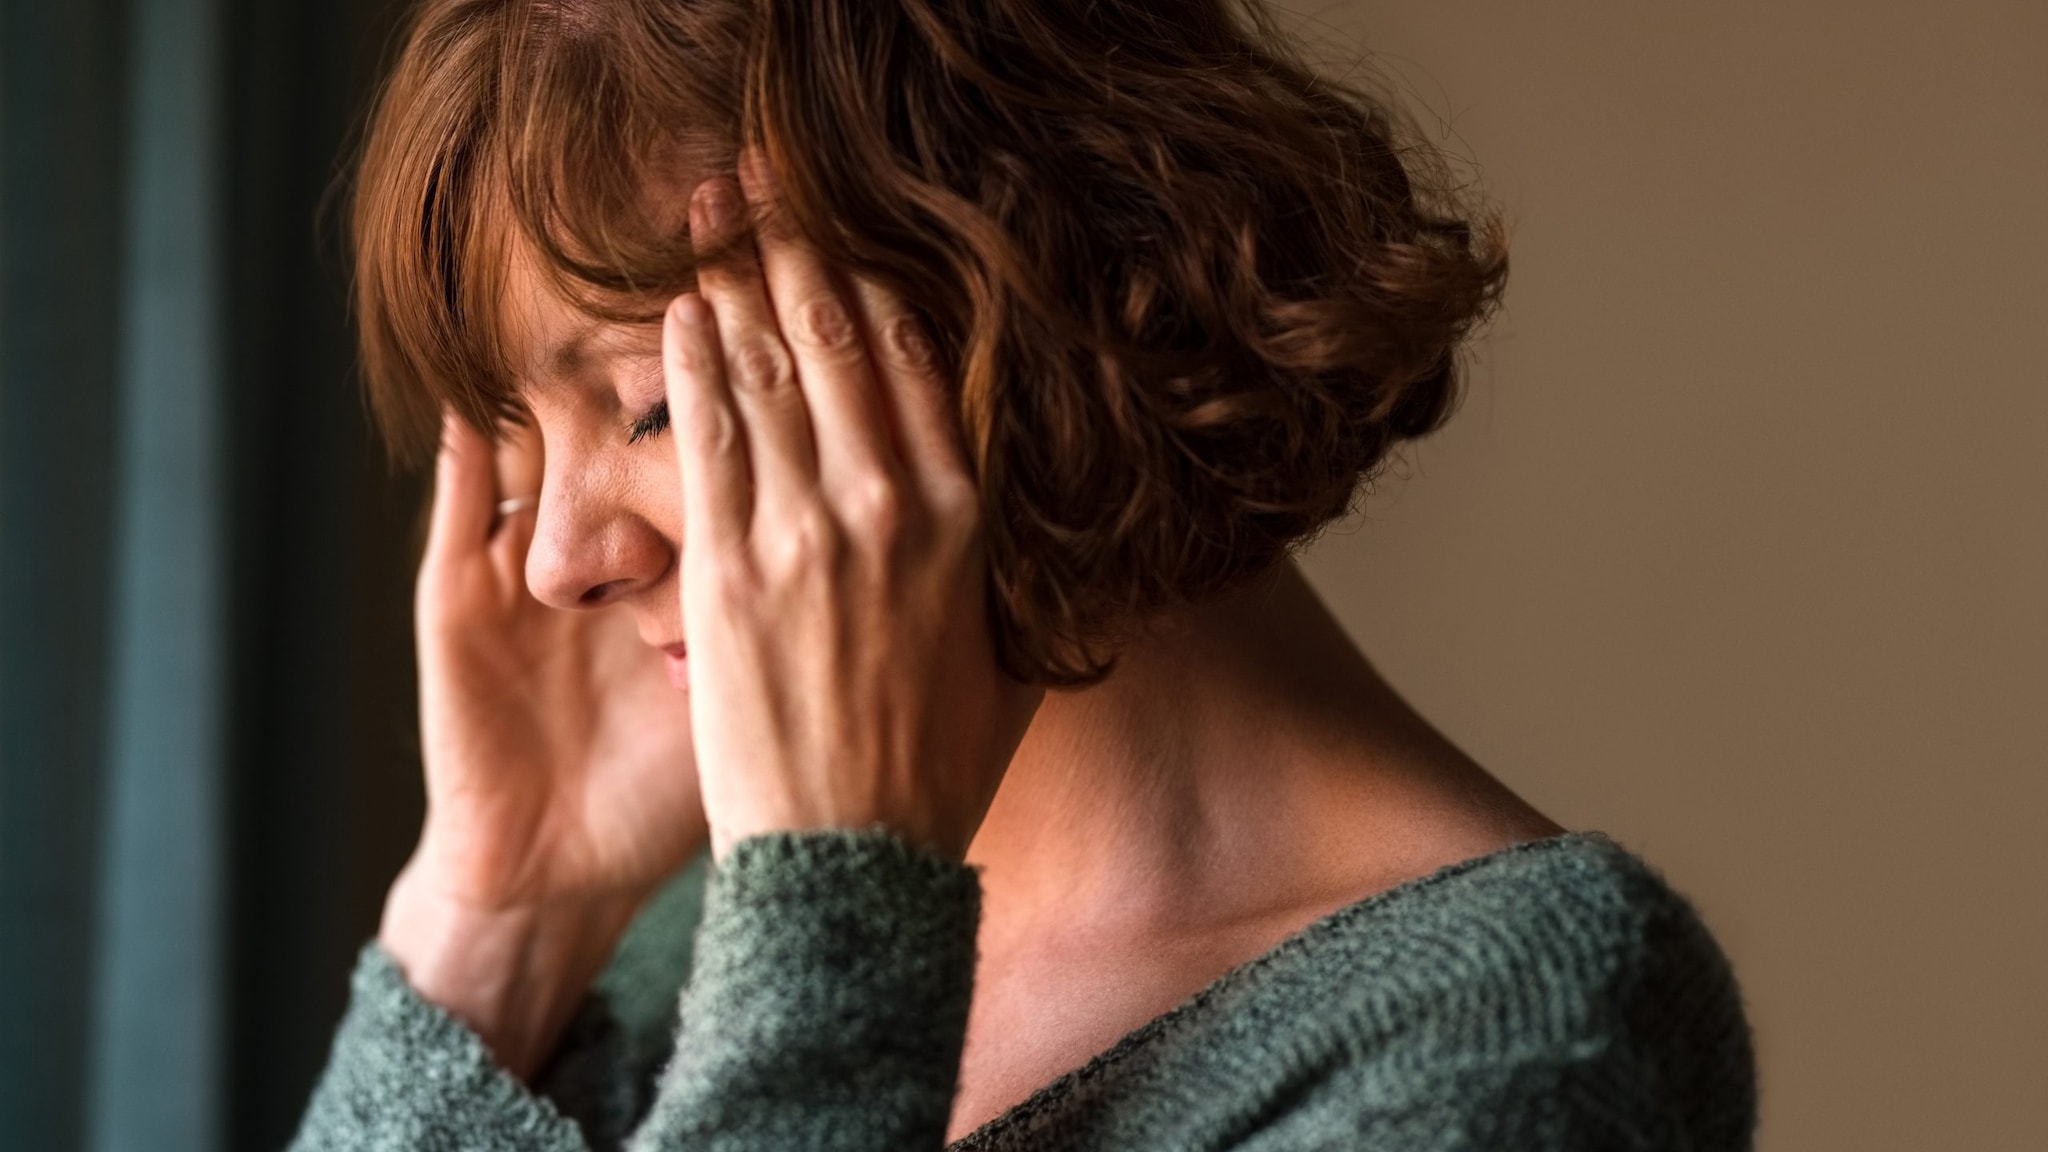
(1240, 752)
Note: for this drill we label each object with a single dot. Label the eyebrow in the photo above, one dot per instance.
(592, 340)
(564, 359)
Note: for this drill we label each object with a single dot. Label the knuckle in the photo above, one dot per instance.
(874, 507)
(821, 322)
(715, 431)
(707, 570)
(689, 357)
(956, 504)
(908, 345)
(730, 579)
(956, 521)
(809, 544)
(760, 368)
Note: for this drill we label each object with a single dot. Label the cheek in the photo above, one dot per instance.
(657, 495)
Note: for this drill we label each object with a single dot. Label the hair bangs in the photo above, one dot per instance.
(510, 127)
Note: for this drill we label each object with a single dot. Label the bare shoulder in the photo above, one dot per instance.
(1408, 818)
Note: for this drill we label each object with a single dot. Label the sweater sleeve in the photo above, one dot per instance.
(829, 1003)
(404, 1074)
(826, 1011)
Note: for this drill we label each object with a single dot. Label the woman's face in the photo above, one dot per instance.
(609, 525)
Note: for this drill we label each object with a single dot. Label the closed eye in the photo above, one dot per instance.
(652, 424)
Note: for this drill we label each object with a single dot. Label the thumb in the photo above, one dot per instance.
(511, 540)
(463, 490)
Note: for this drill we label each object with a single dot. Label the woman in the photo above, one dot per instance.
(935, 393)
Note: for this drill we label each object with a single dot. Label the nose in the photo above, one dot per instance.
(590, 548)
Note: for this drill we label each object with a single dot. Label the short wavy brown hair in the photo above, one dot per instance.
(1191, 290)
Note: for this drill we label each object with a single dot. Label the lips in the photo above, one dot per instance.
(676, 659)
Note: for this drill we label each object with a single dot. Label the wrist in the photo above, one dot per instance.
(513, 973)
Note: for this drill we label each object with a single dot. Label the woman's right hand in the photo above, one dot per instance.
(561, 788)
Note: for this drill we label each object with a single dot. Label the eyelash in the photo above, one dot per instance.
(652, 424)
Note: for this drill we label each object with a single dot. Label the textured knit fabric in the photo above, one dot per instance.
(1556, 994)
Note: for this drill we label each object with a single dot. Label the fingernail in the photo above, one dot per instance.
(754, 163)
(714, 203)
(680, 314)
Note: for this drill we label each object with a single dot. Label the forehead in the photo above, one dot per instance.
(548, 341)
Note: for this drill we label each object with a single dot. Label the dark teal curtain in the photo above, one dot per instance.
(207, 762)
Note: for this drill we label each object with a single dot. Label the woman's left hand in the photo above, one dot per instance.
(841, 667)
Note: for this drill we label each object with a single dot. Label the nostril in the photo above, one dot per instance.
(597, 595)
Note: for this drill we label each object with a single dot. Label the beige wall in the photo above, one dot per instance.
(1739, 547)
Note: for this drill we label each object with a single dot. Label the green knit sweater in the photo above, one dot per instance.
(1556, 994)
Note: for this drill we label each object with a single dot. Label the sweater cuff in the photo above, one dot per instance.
(403, 1073)
(829, 1003)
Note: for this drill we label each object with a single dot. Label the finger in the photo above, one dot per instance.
(464, 494)
(759, 372)
(510, 539)
(518, 463)
(934, 445)
(711, 450)
(848, 420)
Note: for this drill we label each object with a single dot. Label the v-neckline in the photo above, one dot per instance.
(1192, 1007)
